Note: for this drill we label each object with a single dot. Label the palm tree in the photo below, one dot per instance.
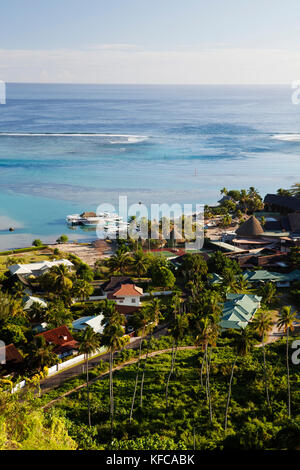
(89, 343)
(268, 293)
(42, 354)
(286, 322)
(244, 198)
(113, 339)
(263, 323)
(60, 276)
(36, 312)
(201, 329)
(18, 290)
(154, 309)
(229, 281)
(241, 283)
(178, 329)
(243, 341)
(283, 192)
(82, 289)
(140, 262)
(295, 190)
(16, 308)
(110, 312)
(140, 319)
(119, 262)
(212, 341)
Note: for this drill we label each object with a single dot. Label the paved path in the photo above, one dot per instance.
(59, 378)
(105, 374)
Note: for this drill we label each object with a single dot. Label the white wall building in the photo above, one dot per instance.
(128, 294)
(37, 269)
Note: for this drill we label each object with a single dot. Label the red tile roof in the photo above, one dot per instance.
(116, 282)
(11, 354)
(61, 338)
(128, 290)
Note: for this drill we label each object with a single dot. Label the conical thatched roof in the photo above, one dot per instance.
(250, 228)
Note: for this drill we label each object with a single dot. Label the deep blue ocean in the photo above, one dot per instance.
(154, 144)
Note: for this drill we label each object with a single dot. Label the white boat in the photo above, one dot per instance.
(93, 220)
(74, 219)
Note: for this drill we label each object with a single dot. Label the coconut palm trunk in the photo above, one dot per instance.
(265, 372)
(88, 389)
(288, 372)
(143, 373)
(169, 376)
(208, 361)
(202, 367)
(229, 394)
(136, 382)
(111, 391)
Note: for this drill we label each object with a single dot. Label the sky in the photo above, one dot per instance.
(150, 41)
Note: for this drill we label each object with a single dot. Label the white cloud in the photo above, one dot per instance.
(118, 63)
(114, 47)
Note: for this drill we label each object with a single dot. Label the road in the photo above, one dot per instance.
(59, 378)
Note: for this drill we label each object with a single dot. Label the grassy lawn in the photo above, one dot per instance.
(32, 257)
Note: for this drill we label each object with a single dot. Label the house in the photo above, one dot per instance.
(267, 258)
(281, 280)
(37, 269)
(115, 283)
(94, 322)
(62, 341)
(29, 300)
(127, 294)
(10, 357)
(238, 311)
(282, 204)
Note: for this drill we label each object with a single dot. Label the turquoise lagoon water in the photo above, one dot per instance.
(68, 148)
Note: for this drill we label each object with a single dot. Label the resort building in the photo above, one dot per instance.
(62, 341)
(29, 300)
(262, 276)
(94, 322)
(115, 283)
(248, 235)
(282, 204)
(128, 303)
(128, 294)
(281, 280)
(37, 269)
(238, 311)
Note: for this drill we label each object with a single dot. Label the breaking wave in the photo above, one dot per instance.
(112, 138)
(287, 137)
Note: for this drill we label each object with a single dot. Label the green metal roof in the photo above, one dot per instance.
(238, 310)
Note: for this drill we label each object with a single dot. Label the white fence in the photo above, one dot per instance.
(63, 365)
(18, 386)
(72, 362)
(156, 294)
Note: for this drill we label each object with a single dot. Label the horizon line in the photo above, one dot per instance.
(148, 84)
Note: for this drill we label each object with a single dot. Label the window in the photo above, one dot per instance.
(133, 301)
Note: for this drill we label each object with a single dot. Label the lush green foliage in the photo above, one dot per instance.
(24, 427)
(252, 425)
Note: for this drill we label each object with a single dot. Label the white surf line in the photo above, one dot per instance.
(54, 134)
(287, 137)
